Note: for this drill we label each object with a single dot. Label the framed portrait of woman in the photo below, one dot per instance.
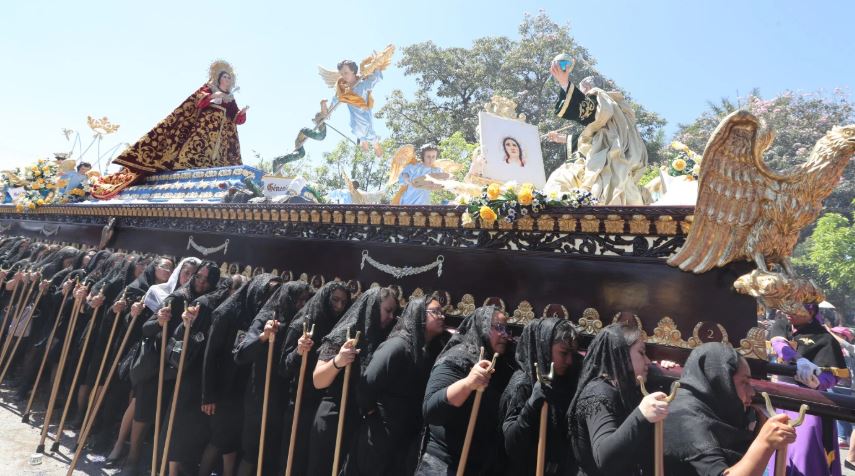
(511, 150)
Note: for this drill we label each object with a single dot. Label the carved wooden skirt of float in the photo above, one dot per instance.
(593, 266)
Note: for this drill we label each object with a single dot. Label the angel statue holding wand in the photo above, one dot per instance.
(353, 85)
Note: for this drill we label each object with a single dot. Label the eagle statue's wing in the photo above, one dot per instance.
(329, 77)
(732, 187)
(378, 61)
(404, 156)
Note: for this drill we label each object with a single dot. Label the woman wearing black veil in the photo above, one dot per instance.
(546, 342)
(322, 312)
(709, 429)
(450, 391)
(610, 424)
(223, 381)
(391, 391)
(373, 315)
(252, 350)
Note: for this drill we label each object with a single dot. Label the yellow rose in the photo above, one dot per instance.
(487, 214)
(679, 165)
(40, 202)
(31, 206)
(19, 207)
(525, 197)
(466, 219)
(527, 186)
(493, 191)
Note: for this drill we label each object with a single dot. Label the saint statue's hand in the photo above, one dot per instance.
(563, 77)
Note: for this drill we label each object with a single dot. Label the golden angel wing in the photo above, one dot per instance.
(330, 77)
(731, 191)
(377, 61)
(404, 156)
(448, 166)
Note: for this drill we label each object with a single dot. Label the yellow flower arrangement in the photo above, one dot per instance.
(487, 214)
(525, 196)
(677, 145)
(493, 191)
(679, 165)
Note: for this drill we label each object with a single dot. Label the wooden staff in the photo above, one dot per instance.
(781, 453)
(343, 407)
(84, 434)
(544, 420)
(659, 431)
(258, 465)
(26, 416)
(187, 325)
(21, 337)
(94, 391)
(473, 417)
(10, 309)
(69, 333)
(163, 337)
(80, 360)
(297, 401)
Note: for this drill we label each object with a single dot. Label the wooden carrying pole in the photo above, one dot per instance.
(264, 403)
(165, 458)
(69, 333)
(473, 417)
(659, 431)
(23, 329)
(297, 401)
(84, 433)
(48, 344)
(345, 387)
(80, 361)
(781, 453)
(163, 337)
(544, 421)
(10, 310)
(93, 394)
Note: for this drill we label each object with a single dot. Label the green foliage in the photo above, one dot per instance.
(455, 83)
(456, 149)
(829, 255)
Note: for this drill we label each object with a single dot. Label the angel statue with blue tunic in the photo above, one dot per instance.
(355, 90)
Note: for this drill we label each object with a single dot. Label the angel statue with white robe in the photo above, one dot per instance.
(354, 89)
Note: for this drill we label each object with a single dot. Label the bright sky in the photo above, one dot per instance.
(136, 61)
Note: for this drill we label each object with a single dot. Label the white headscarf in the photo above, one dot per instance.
(156, 294)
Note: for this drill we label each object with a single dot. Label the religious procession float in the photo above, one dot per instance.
(688, 259)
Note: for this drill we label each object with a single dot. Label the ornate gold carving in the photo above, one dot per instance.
(590, 224)
(523, 314)
(567, 223)
(417, 293)
(240, 214)
(375, 218)
(404, 219)
(698, 339)
(349, 217)
(361, 217)
(590, 322)
(639, 225)
(776, 290)
(315, 216)
(504, 107)
(495, 301)
(452, 220)
(326, 216)
(466, 306)
(435, 220)
(294, 216)
(545, 223)
(525, 223)
(486, 224)
(754, 344)
(666, 225)
(555, 310)
(419, 219)
(686, 224)
(505, 225)
(355, 288)
(337, 217)
(304, 216)
(265, 214)
(256, 214)
(388, 218)
(666, 333)
(614, 224)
